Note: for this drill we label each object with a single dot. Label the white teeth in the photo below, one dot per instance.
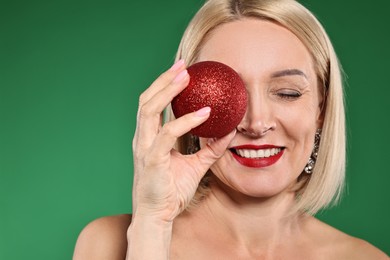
(262, 153)
(253, 154)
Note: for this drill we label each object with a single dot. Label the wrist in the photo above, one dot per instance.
(149, 222)
(149, 238)
(158, 215)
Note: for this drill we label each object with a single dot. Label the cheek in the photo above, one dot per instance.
(300, 119)
(299, 124)
(303, 114)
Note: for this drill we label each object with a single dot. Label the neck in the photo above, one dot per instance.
(250, 222)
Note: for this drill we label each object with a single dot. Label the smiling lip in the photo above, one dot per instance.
(269, 154)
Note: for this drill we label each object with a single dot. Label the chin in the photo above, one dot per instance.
(258, 187)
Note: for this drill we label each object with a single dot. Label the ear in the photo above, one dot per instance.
(320, 116)
(321, 105)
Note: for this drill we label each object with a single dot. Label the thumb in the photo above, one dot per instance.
(214, 150)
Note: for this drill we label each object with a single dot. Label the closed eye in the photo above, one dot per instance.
(289, 94)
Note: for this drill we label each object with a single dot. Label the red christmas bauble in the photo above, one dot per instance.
(218, 86)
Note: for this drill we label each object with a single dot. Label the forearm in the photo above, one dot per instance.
(148, 239)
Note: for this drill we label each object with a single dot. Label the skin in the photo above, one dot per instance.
(245, 215)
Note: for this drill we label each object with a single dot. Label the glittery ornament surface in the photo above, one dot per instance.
(218, 86)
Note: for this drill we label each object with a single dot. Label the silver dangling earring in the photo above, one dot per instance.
(313, 157)
(193, 144)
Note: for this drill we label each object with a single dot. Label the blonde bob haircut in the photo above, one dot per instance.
(324, 186)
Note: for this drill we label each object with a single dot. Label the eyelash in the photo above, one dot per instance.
(289, 95)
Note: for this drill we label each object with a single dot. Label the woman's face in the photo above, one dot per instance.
(276, 136)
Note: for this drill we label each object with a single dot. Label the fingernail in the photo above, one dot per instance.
(177, 65)
(203, 112)
(180, 76)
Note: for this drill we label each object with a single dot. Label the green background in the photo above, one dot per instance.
(70, 76)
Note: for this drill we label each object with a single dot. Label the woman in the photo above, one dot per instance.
(252, 193)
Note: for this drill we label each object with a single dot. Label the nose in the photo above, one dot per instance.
(258, 119)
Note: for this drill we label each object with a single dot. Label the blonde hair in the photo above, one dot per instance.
(325, 184)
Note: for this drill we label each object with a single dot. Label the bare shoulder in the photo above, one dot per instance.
(360, 249)
(339, 245)
(103, 238)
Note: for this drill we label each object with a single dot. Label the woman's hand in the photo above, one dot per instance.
(165, 180)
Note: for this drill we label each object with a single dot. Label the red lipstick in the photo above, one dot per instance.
(257, 162)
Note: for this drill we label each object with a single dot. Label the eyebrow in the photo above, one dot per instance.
(289, 72)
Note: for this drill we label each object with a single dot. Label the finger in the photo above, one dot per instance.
(214, 150)
(150, 114)
(138, 132)
(172, 130)
(164, 97)
(161, 82)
